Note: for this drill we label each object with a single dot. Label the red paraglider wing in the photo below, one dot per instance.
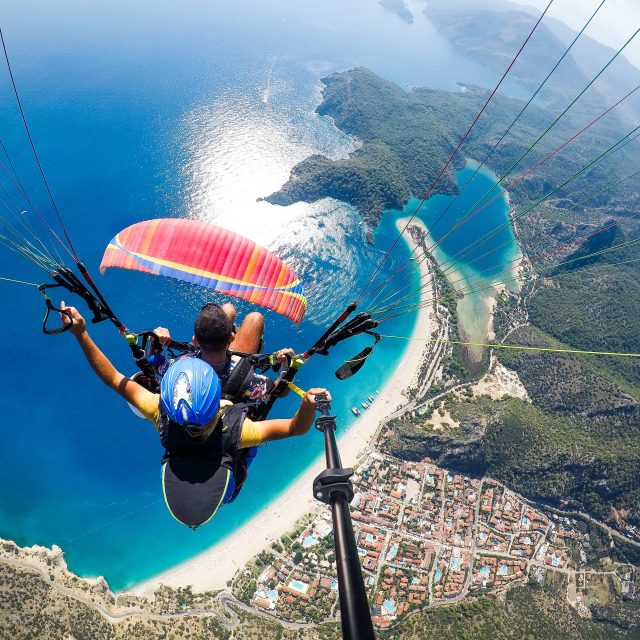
(209, 256)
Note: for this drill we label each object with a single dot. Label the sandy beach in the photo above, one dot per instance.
(213, 568)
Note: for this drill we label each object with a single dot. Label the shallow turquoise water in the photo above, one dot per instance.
(477, 253)
(193, 109)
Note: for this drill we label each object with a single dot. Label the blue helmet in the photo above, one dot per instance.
(190, 392)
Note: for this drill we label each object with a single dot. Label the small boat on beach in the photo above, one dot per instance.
(370, 398)
(364, 405)
(355, 411)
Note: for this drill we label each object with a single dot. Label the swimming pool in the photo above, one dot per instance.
(301, 587)
(309, 541)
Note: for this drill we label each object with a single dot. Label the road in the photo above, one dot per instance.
(114, 618)
(228, 602)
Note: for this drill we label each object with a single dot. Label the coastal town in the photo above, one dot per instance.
(427, 537)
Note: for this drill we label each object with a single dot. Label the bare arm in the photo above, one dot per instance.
(296, 426)
(131, 391)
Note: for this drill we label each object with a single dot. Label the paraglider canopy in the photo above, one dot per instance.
(209, 256)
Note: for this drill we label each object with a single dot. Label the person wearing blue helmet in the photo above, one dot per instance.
(203, 466)
(209, 442)
(190, 392)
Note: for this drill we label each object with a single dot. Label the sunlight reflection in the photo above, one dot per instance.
(241, 149)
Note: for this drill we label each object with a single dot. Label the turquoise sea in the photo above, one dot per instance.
(477, 254)
(150, 109)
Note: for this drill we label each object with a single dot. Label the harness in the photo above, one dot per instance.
(238, 385)
(238, 382)
(221, 445)
(145, 344)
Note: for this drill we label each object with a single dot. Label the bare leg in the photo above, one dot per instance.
(230, 311)
(249, 336)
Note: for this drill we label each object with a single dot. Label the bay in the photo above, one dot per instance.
(473, 242)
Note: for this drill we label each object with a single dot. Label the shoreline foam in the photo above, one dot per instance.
(214, 567)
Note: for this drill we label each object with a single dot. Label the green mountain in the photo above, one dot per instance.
(576, 444)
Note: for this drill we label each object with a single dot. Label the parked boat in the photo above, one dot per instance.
(364, 405)
(370, 398)
(355, 411)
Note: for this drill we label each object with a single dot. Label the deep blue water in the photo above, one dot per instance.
(143, 110)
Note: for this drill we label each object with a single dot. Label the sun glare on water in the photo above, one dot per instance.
(239, 150)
